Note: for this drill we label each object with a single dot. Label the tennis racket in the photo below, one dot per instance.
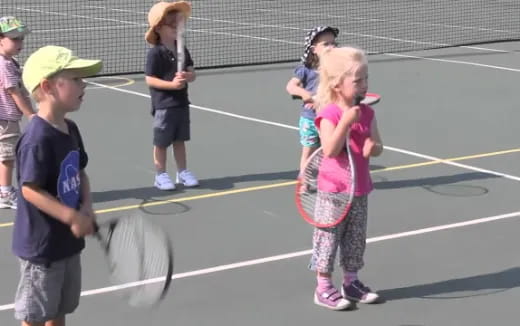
(139, 256)
(181, 25)
(325, 188)
(369, 99)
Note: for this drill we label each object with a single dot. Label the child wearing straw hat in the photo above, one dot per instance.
(169, 92)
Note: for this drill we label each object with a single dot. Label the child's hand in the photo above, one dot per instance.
(188, 75)
(179, 82)
(82, 225)
(368, 147)
(352, 114)
(87, 210)
(309, 104)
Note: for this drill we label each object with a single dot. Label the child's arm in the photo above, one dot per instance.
(373, 145)
(178, 82)
(80, 224)
(21, 101)
(86, 195)
(333, 137)
(294, 87)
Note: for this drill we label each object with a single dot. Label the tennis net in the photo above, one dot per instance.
(244, 32)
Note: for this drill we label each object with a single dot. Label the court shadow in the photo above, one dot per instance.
(224, 183)
(479, 285)
(433, 181)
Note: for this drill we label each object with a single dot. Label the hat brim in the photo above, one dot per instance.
(181, 6)
(85, 68)
(17, 33)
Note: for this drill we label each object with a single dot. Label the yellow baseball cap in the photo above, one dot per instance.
(48, 60)
(157, 13)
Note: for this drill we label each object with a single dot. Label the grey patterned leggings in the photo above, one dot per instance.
(349, 236)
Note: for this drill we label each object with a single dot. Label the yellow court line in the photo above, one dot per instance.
(288, 183)
(453, 159)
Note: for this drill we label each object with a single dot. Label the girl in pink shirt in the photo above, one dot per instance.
(343, 77)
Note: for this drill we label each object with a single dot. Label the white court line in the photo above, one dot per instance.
(358, 18)
(82, 16)
(454, 61)
(286, 256)
(277, 124)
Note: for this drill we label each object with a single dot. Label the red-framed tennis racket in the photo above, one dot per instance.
(369, 99)
(325, 188)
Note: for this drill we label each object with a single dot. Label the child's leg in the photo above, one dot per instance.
(352, 241)
(182, 135)
(352, 246)
(325, 244)
(56, 322)
(162, 138)
(309, 139)
(6, 173)
(159, 159)
(24, 323)
(179, 153)
(306, 153)
(7, 192)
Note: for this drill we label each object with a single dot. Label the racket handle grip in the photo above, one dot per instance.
(358, 99)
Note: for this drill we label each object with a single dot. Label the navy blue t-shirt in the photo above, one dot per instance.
(309, 79)
(162, 63)
(52, 160)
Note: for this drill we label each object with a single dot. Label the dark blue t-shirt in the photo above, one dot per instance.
(52, 160)
(309, 79)
(162, 63)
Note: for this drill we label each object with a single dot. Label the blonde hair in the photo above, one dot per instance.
(335, 65)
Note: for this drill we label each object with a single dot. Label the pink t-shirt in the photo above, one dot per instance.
(10, 76)
(330, 178)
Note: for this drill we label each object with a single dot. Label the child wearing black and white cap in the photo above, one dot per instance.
(305, 82)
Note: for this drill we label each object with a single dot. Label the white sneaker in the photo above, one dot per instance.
(164, 182)
(8, 199)
(187, 179)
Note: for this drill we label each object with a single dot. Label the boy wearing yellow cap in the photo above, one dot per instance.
(54, 207)
(14, 102)
(169, 92)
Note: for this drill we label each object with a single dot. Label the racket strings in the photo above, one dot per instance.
(325, 208)
(140, 252)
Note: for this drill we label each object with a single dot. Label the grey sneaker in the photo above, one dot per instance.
(8, 199)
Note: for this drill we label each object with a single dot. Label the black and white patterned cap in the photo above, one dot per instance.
(311, 35)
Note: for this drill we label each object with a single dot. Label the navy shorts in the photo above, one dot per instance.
(171, 125)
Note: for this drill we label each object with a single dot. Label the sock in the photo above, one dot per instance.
(5, 189)
(324, 283)
(349, 277)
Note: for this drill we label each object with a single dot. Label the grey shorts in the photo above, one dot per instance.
(45, 293)
(170, 125)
